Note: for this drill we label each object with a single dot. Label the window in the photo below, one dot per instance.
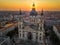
(20, 31)
(40, 33)
(36, 33)
(40, 38)
(36, 36)
(20, 26)
(41, 28)
(23, 33)
(20, 34)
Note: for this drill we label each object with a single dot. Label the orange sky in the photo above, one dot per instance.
(27, 4)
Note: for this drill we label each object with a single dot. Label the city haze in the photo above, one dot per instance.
(47, 5)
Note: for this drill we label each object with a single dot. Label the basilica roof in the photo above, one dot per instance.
(31, 26)
(33, 13)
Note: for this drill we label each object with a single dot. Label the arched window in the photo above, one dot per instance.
(41, 28)
(23, 33)
(29, 35)
(40, 38)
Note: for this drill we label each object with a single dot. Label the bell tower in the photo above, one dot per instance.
(41, 23)
(20, 24)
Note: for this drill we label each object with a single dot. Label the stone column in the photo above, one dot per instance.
(42, 27)
(39, 26)
(21, 34)
(35, 20)
(34, 36)
(21, 25)
(38, 37)
(25, 35)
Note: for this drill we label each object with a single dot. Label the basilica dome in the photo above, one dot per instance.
(33, 11)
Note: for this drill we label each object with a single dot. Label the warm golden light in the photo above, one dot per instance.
(27, 4)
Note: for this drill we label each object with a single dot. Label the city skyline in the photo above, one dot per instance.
(47, 5)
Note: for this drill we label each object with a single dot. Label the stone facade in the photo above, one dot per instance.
(27, 33)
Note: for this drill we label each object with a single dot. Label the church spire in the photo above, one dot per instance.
(33, 5)
(20, 12)
(42, 12)
(33, 8)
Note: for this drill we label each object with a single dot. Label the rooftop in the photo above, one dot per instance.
(2, 39)
(1, 27)
(31, 27)
(58, 27)
(7, 26)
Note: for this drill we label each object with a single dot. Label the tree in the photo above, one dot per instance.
(54, 38)
(13, 32)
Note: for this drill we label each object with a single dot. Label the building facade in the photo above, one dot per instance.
(32, 30)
